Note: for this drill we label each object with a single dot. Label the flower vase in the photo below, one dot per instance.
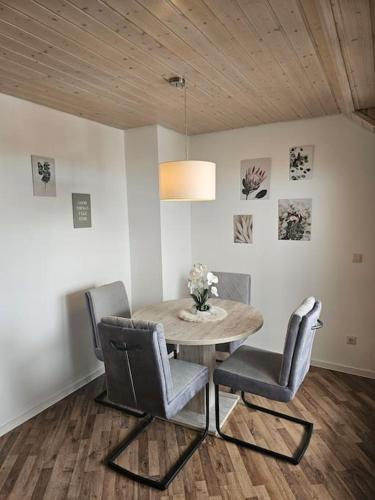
(201, 314)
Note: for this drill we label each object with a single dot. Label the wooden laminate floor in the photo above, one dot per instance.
(59, 454)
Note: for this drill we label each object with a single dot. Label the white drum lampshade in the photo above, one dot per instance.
(187, 180)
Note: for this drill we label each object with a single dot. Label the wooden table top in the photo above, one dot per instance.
(242, 320)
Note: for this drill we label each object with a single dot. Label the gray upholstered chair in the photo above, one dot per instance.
(272, 375)
(140, 375)
(233, 286)
(108, 300)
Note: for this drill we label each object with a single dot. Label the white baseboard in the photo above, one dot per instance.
(344, 368)
(73, 386)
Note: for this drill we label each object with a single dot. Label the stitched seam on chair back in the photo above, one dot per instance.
(298, 344)
(159, 373)
(131, 376)
(94, 325)
(289, 343)
(163, 381)
(164, 385)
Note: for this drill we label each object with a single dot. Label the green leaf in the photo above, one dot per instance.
(195, 298)
(261, 194)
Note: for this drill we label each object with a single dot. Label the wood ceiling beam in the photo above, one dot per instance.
(329, 25)
(353, 19)
(366, 118)
(309, 13)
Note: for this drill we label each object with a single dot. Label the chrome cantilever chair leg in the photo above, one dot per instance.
(163, 483)
(294, 459)
(102, 399)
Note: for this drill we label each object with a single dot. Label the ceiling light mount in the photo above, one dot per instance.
(177, 81)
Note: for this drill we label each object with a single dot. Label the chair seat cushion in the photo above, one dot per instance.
(188, 379)
(255, 371)
(229, 346)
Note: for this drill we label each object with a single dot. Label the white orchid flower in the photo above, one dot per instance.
(215, 279)
(211, 278)
(200, 278)
(214, 291)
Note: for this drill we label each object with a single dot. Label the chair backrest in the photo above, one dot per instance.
(106, 300)
(234, 286)
(298, 343)
(137, 367)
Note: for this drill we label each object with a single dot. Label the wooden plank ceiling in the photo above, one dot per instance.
(246, 62)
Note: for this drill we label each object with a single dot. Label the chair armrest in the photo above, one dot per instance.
(319, 324)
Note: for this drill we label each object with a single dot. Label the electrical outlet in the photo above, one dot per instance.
(357, 258)
(351, 340)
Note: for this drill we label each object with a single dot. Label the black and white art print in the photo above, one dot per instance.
(255, 179)
(301, 163)
(295, 219)
(44, 178)
(243, 229)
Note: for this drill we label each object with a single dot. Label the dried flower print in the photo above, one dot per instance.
(45, 172)
(252, 180)
(255, 178)
(295, 219)
(243, 228)
(44, 179)
(300, 162)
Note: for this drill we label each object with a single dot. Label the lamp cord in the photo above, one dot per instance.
(186, 125)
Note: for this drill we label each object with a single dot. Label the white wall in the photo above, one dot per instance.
(45, 264)
(284, 272)
(160, 232)
(141, 150)
(175, 221)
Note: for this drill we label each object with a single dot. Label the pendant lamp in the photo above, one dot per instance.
(186, 180)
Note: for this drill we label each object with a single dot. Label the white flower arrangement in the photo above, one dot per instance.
(201, 283)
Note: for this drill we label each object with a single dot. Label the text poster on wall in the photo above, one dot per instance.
(81, 210)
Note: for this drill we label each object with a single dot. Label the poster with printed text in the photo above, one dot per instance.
(81, 210)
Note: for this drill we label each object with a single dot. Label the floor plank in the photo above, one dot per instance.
(59, 453)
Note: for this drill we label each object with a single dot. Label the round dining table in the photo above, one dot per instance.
(197, 341)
